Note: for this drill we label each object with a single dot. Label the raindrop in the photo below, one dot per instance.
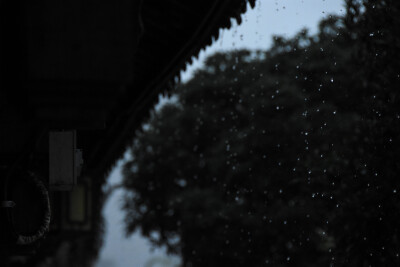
(182, 182)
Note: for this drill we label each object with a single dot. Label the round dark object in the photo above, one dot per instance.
(30, 216)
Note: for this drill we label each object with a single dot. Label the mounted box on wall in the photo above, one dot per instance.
(64, 160)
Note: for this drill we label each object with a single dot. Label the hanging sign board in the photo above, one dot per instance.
(62, 160)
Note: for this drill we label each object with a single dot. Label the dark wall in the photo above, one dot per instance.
(81, 40)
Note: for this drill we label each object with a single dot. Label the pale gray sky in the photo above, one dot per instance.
(268, 18)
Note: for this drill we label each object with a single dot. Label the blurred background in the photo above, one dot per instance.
(259, 25)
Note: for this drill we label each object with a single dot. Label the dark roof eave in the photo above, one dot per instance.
(121, 133)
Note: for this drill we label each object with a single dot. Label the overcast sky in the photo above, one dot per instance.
(268, 18)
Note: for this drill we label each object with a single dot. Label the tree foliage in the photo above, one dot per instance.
(283, 157)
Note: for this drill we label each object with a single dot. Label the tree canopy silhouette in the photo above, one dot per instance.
(280, 157)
